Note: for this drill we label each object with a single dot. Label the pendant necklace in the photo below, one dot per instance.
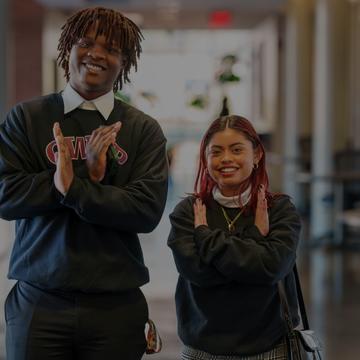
(231, 223)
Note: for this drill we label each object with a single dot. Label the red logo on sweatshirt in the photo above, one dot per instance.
(77, 147)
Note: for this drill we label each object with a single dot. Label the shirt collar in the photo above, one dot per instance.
(231, 201)
(72, 100)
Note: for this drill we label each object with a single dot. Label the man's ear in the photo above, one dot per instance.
(125, 61)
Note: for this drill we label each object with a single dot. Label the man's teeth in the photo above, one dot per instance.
(94, 67)
(228, 169)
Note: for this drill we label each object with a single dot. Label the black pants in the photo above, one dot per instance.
(44, 325)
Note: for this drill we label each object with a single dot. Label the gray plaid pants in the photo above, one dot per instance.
(279, 352)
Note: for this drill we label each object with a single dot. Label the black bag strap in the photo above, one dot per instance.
(290, 338)
(300, 299)
(301, 302)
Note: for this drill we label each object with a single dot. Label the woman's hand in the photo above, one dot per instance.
(96, 149)
(64, 173)
(261, 214)
(199, 213)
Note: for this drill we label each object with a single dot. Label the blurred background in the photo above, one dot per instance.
(291, 66)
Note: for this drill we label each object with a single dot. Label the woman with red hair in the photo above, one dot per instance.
(232, 241)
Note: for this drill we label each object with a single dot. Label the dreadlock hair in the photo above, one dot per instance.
(204, 184)
(117, 28)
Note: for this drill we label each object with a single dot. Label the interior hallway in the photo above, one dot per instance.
(331, 278)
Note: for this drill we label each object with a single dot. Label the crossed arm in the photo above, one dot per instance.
(261, 253)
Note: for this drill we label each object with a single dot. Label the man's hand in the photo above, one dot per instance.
(199, 213)
(261, 214)
(64, 173)
(96, 149)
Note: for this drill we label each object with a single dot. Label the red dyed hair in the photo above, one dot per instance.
(204, 184)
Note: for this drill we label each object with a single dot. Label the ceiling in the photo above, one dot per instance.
(236, 5)
(181, 13)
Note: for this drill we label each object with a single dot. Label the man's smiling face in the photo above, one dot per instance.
(94, 65)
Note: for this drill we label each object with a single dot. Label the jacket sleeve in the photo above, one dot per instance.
(249, 257)
(26, 190)
(185, 252)
(136, 206)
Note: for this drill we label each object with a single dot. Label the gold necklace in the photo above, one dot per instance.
(230, 223)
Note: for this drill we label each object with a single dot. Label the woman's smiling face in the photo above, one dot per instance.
(230, 158)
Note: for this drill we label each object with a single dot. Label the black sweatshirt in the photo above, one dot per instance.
(87, 240)
(227, 300)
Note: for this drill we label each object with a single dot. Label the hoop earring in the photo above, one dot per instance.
(256, 166)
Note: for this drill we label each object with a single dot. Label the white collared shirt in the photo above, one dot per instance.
(72, 100)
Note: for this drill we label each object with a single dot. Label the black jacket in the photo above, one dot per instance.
(86, 241)
(226, 298)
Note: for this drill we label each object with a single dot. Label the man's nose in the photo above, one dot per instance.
(96, 52)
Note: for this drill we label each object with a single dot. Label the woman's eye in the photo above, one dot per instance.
(237, 150)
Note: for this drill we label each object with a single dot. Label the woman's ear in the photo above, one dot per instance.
(258, 155)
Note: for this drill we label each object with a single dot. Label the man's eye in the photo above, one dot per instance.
(114, 50)
(84, 43)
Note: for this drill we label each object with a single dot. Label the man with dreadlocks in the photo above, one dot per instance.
(82, 173)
